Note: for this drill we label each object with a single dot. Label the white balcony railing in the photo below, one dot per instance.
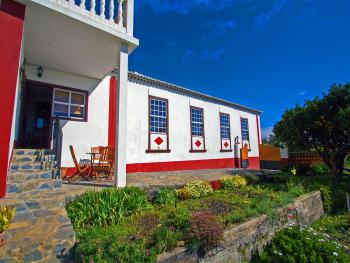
(112, 13)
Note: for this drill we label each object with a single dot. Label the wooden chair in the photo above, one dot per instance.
(104, 168)
(82, 171)
(96, 154)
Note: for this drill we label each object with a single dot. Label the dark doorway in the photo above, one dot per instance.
(35, 129)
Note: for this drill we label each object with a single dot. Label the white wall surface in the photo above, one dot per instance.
(179, 126)
(284, 153)
(17, 105)
(82, 135)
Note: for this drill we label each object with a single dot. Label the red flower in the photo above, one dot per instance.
(217, 185)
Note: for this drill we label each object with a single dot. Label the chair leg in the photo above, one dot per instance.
(72, 177)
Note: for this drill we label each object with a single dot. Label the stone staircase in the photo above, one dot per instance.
(41, 230)
(33, 170)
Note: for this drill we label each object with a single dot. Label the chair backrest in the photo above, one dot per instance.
(74, 157)
(96, 153)
(107, 155)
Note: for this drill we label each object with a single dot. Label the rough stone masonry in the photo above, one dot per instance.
(242, 241)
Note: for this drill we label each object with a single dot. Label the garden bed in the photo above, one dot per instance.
(123, 225)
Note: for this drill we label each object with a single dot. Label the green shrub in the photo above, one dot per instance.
(252, 179)
(298, 244)
(179, 219)
(337, 226)
(205, 231)
(106, 207)
(326, 196)
(294, 188)
(232, 182)
(110, 244)
(198, 188)
(318, 169)
(165, 197)
(347, 161)
(164, 239)
(235, 218)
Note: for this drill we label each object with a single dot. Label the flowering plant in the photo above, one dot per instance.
(231, 182)
(293, 171)
(198, 188)
(6, 216)
(217, 184)
(183, 194)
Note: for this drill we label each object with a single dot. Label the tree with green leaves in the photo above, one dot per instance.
(321, 125)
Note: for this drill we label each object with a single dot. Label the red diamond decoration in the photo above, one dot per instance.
(158, 140)
(198, 143)
(226, 144)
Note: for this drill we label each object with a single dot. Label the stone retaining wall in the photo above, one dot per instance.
(242, 241)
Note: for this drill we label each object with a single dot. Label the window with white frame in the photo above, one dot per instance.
(158, 115)
(245, 129)
(225, 126)
(69, 104)
(197, 122)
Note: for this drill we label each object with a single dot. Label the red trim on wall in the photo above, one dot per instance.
(184, 165)
(254, 162)
(285, 161)
(112, 111)
(181, 165)
(258, 128)
(11, 28)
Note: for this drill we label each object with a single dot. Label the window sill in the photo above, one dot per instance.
(223, 151)
(198, 151)
(69, 119)
(158, 151)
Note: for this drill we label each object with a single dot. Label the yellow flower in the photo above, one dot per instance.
(294, 171)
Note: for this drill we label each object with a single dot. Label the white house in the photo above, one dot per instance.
(58, 61)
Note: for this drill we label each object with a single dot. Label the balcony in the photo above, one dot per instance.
(81, 37)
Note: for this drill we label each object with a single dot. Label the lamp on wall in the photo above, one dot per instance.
(40, 71)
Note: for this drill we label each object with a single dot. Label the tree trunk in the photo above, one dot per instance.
(335, 162)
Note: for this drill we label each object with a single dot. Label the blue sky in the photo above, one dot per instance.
(268, 55)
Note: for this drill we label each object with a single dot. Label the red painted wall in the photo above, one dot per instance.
(254, 163)
(112, 111)
(11, 31)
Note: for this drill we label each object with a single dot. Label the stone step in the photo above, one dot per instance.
(32, 174)
(21, 166)
(33, 158)
(36, 152)
(34, 185)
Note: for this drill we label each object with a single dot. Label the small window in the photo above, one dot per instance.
(197, 122)
(69, 104)
(225, 126)
(158, 115)
(245, 129)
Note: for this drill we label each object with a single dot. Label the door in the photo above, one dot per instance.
(35, 124)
